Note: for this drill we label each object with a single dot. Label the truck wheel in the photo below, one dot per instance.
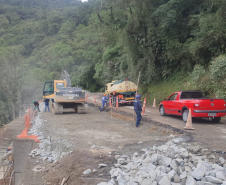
(185, 115)
(162, 111)
(216, 119)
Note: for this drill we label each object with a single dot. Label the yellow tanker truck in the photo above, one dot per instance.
(125, 90)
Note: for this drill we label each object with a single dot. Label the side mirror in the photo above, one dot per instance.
(165, 99)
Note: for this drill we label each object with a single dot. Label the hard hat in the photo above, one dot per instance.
(138, 96)
(104, 94)
(33, 101)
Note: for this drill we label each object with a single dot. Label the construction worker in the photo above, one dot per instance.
(36, 104)
(138, 109)
(50, 89)
(104, 101)
(46, 104)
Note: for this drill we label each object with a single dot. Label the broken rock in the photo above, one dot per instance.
(87, 172)
(199, 172)
(190, 181)
(220, 175)
(102, 165)
(164, 181)
(213, 180)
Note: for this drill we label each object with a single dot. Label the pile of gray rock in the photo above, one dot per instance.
(51, 147)
(175, 163)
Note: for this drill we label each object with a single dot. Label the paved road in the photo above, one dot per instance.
(211, 135)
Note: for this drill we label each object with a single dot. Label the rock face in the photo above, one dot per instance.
(175, 163)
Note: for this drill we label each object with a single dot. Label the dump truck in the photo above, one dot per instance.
(64, 97)
(125, 90)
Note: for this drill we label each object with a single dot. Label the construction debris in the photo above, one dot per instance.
(50, 148)
(87, 172)
(174, 163)
(38, 169)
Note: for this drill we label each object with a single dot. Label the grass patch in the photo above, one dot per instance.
(163, 89)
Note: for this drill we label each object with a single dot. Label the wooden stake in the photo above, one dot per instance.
(111, 105)
(63, 181)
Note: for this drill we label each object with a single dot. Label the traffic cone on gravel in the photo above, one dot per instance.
(110, 101)
(154, 103)
(86, 97)
(189, 122)
(144, 105)
(117, 102)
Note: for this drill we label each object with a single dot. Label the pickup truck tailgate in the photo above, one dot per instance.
(211, 104)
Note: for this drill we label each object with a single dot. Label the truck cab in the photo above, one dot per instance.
(107, 87)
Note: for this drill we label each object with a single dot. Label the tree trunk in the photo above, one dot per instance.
(19, 100)
(13, 109)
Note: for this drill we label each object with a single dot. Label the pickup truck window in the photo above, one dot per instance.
(191, 95)
(173, 97)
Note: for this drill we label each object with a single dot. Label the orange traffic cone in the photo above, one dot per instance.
(144, 105)
(86, 97)
(189, 122)
(110, 101)
(154, 103)
(95, 99)
(117, 102)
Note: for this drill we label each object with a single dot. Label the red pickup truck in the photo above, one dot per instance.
(180, 102)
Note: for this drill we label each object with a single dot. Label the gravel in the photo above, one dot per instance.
(52, 147)
(174, 163)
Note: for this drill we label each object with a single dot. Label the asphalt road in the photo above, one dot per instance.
(212, 135)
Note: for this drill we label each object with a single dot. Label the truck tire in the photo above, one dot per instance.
(185, 115)
(216, 119)
(162, 111)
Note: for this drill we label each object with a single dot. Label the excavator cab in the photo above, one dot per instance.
(51, 86)
(48, 90)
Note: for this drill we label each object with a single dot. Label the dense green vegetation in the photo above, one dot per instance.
(177, 43)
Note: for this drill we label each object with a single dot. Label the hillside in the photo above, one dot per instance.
(98, 41)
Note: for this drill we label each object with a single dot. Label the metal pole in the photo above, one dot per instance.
(136, 94)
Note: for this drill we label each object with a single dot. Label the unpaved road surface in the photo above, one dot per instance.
(97, 138)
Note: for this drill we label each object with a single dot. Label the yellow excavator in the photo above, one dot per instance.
(64, 97)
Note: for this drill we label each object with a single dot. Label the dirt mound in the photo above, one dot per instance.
(72, 167)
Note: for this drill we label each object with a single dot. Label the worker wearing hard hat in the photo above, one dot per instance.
(104, 101)
(138, 109)
(36, 104)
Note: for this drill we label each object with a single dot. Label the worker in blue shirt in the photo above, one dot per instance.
(104, 101)
(138, 109)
